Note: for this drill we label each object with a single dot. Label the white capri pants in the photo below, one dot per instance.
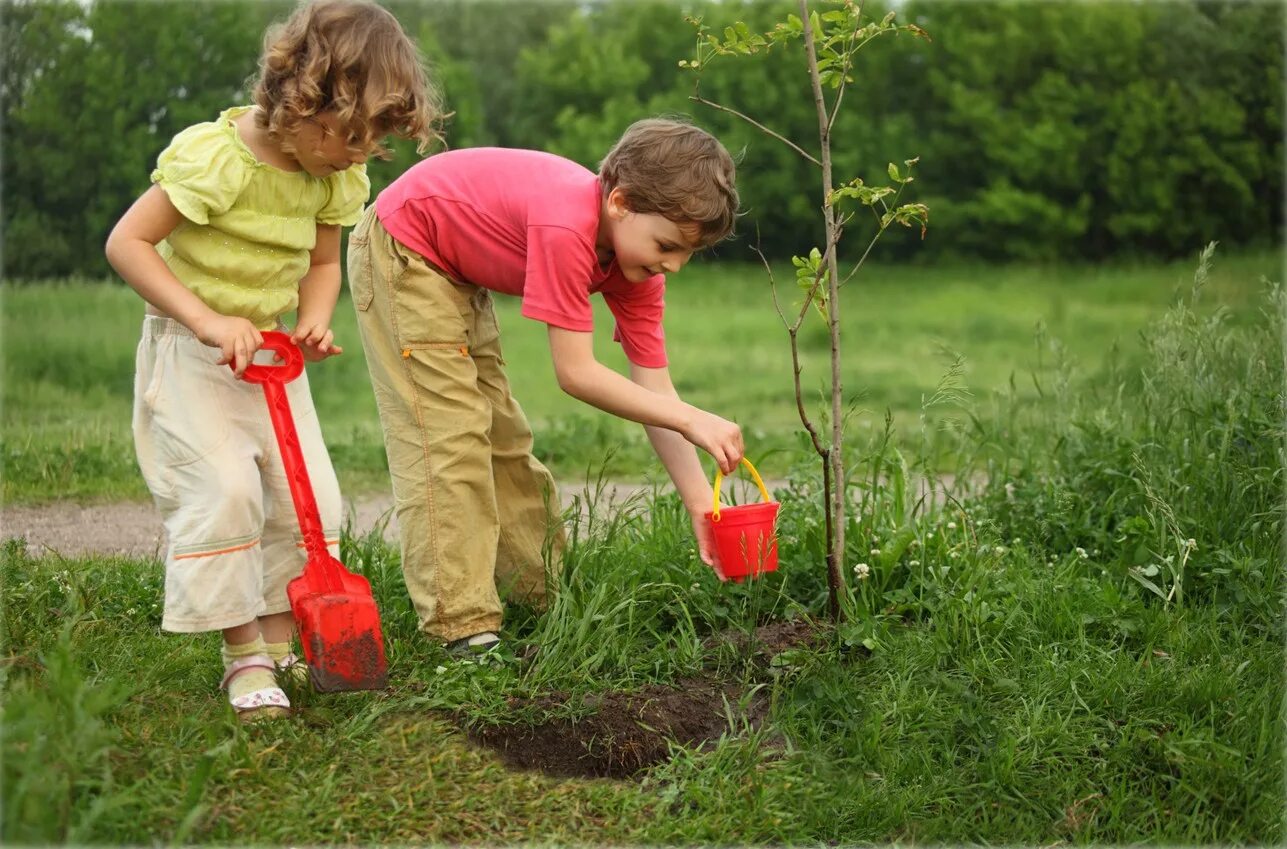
(207, 450)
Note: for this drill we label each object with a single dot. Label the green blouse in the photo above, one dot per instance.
(249, 227)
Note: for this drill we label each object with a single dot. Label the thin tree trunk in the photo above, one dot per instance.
(835, 557)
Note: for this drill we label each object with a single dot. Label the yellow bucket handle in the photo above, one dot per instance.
(719, 477)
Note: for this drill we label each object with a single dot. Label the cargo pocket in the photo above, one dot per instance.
(432, 311)
(361, 286)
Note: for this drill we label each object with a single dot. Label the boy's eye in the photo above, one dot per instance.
(665, 248)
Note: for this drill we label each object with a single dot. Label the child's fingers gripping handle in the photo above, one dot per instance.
(288, 355)
(719, 478)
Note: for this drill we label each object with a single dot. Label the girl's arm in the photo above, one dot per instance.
(131, 250)
(318, 292)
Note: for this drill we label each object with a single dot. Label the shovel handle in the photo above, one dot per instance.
(274, 379)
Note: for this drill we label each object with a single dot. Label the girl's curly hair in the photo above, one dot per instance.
(350, 56)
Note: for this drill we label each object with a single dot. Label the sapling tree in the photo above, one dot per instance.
(830, 43)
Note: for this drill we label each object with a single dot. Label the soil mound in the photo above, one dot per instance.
(627, 732)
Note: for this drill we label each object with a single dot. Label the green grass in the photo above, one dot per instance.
(1049, 661)
(69, 347)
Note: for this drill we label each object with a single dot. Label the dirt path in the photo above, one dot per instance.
(133, 528)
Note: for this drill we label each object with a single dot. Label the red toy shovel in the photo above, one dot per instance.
(339, 624)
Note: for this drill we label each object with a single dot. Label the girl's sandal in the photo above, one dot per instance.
(293, 669)
(265, 703)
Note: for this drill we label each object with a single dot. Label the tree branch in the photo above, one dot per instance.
(796, 368)
(786, 141)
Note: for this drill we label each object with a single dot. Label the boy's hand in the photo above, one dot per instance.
(236, 338)
(721, 438)
(315, 341)
(705, 541)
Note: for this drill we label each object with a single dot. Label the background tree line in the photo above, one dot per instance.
(1044, 131)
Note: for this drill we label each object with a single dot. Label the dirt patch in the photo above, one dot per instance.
(625, 733)
(769, 641)
(134, 528)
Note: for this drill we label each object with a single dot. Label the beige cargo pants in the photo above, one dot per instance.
(478, 515)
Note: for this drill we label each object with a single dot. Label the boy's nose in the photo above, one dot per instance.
(674, 264)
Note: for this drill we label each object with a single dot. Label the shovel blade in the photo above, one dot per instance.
(340, 633)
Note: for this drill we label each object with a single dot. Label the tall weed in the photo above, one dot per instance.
(1170, 478)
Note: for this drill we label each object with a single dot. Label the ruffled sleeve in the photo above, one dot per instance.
(349, 190)
(202, 172)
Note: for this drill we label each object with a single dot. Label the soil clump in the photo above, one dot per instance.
(622, 734)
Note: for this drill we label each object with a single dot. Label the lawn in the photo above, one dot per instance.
(69, 348)
(1087, 647)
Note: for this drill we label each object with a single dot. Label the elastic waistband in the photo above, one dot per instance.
(155, 326)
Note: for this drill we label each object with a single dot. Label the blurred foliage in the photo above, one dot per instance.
(1045, 131)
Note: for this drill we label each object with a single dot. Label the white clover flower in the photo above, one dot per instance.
(1191, 543)
(875, 552)
(439, 669)
(952, 554)
(862, 570)
(1000, 549)
(914, 544)
(1081, 552)
(929, 535)
(1016, 541)
(914, 563)
(951, 526)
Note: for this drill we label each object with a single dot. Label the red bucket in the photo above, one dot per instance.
(746, 541)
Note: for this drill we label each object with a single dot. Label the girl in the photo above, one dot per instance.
(242, 225)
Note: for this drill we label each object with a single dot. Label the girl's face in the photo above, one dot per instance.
(321, 146)
(645, 243)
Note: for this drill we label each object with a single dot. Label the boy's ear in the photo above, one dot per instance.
(616, 203)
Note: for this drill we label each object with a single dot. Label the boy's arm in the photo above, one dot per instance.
(318, 292)
(131, 250)
(675, 452)
(680, 460)
(585, 378)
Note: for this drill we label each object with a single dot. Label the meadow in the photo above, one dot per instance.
(69, 348)
(1082, 643)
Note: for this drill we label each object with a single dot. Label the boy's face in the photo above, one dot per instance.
(646, 244)
(321, 146)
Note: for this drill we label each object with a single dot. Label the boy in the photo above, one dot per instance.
(474, 506)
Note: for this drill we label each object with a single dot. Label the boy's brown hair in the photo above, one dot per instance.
(670, 168)
(351, 56)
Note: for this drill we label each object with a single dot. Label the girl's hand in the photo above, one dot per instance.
(705, 541)
(315, 341)
(236, 338)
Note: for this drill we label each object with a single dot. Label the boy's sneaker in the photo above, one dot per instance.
(476, 644)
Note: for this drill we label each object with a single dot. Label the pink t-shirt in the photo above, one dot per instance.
(524, 223)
